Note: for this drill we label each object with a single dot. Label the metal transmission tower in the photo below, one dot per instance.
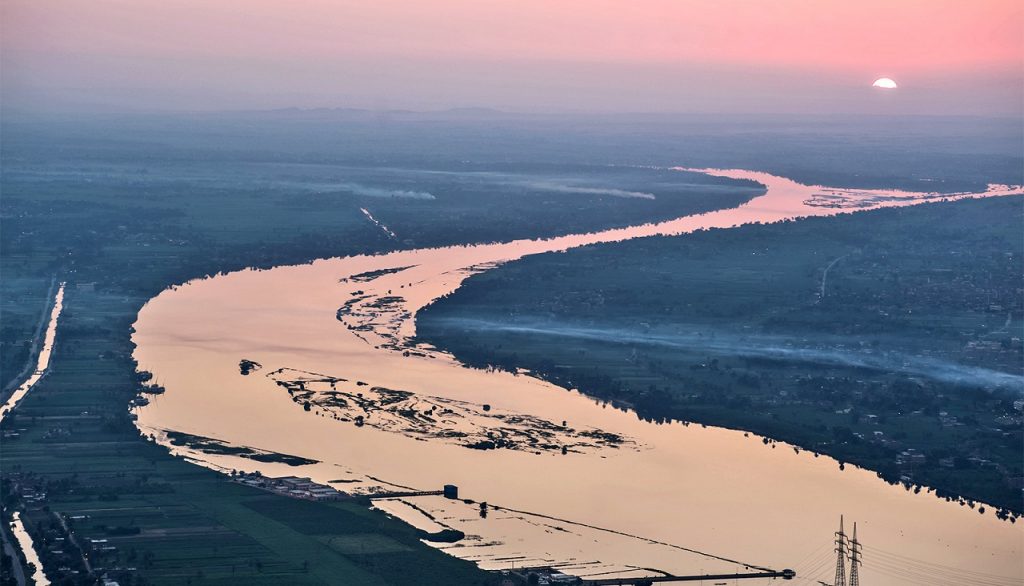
(854, 558)
(840, 556)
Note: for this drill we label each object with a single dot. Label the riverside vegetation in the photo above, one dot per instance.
(889, 339)
(122, 207)
(123, 210)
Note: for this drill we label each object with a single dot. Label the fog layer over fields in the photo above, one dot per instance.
(766, 347)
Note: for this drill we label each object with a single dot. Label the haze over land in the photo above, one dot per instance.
(478, 292)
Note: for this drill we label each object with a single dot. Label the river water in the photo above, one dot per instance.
(42, 361)
(28, 548)
(330, 340)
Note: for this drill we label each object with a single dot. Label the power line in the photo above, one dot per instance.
(936, 578)
(840, 555)
(926, 565)
(854, 558)
(906, 569)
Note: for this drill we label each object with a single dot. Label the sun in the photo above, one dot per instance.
(885, 83)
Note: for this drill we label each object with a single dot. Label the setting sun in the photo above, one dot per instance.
(511, 292)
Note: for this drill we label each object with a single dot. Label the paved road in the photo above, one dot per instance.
(74, 541)
(824, 276)
(11, 550)
(37, 341)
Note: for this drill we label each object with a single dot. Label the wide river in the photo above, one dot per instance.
(595, 490)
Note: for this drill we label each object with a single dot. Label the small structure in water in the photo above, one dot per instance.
(291, 486)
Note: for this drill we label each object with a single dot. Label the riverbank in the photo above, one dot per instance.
(42, 360)
(72, 437)
(131, 205)
(34, 567)
(299, 308)
(10, 383)
(908, 364)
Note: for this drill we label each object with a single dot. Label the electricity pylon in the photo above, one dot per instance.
(854, 558)
(840, 556)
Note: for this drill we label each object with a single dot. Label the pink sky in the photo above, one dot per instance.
(953, 56)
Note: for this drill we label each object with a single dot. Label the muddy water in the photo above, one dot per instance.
(626, 494)
(42, 361)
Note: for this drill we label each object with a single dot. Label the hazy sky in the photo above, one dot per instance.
(949, 56)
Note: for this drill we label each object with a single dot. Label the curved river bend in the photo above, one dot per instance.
(332, 336)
